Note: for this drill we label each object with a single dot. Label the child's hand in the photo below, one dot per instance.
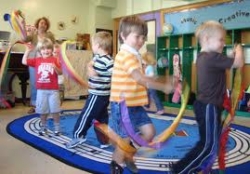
(57, 70)
(29, 47)
(53, 66)
(170, 85)
(237, 48)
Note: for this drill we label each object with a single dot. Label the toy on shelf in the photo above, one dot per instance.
(177, 78)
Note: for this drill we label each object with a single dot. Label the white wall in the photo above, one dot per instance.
(103, 18)
(55, 10)
(129, 7)
(89, 14)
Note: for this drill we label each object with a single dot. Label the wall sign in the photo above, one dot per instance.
(232, 15)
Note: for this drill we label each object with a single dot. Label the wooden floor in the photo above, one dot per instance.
(17, 157)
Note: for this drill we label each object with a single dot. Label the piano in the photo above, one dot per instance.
(19, 70)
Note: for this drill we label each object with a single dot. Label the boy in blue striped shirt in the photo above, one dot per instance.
(96, 106)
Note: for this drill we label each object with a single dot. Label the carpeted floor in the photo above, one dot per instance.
(90, 157)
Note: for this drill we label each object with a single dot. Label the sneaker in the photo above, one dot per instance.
(115, 168)
(130, 164)
(103, 146)
(56, 133)
(172, 167)
(160, 112)
(43, 132)
(75, 142)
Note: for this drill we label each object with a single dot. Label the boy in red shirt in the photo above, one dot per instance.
(47, 69)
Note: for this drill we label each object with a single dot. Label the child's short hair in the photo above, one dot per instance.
(45, 43)
(104, 39)
(148, 58)
(208, 28)
(132, 24)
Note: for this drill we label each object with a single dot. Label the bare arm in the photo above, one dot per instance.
(58, 70)
(151, 83)
(239, 58)
(25, 56)
(29, 47)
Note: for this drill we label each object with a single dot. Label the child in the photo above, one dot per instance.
(42, 26)
(47, 69)
(149, 62)
(128, 80)
(211, 66)
(96, 106)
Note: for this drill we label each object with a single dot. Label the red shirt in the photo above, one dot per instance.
(46, 76)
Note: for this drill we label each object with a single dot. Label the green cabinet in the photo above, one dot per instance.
(187, 47)
(183, 45)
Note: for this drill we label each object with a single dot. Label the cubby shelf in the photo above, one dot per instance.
(187, 47)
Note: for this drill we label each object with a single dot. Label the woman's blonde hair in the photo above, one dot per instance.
(149, 58)
(208, 28)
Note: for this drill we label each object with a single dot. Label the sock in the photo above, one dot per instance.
(57, 127)
(43, 126)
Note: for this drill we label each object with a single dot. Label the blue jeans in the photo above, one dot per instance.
(138, 117)
(33, 91)
(152, 95)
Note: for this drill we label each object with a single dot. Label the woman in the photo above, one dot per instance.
(42, 25)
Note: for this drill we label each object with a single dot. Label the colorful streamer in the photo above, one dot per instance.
(3, 69)
(170, 130)
(17, 22)
(4, 65)
(5, 62)
(236, 95)
(160, 139)
(157, 143)
(105, 129)
(68, 67)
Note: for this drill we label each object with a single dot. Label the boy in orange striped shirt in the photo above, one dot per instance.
(129, 81)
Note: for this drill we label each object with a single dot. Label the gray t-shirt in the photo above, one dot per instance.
(211, 76)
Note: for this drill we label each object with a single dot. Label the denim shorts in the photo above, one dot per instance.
(138, 117)
(48, 101)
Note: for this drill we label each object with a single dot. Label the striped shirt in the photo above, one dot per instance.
(100, 85)
(122, 84)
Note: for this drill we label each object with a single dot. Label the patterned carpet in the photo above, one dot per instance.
(90, 157)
